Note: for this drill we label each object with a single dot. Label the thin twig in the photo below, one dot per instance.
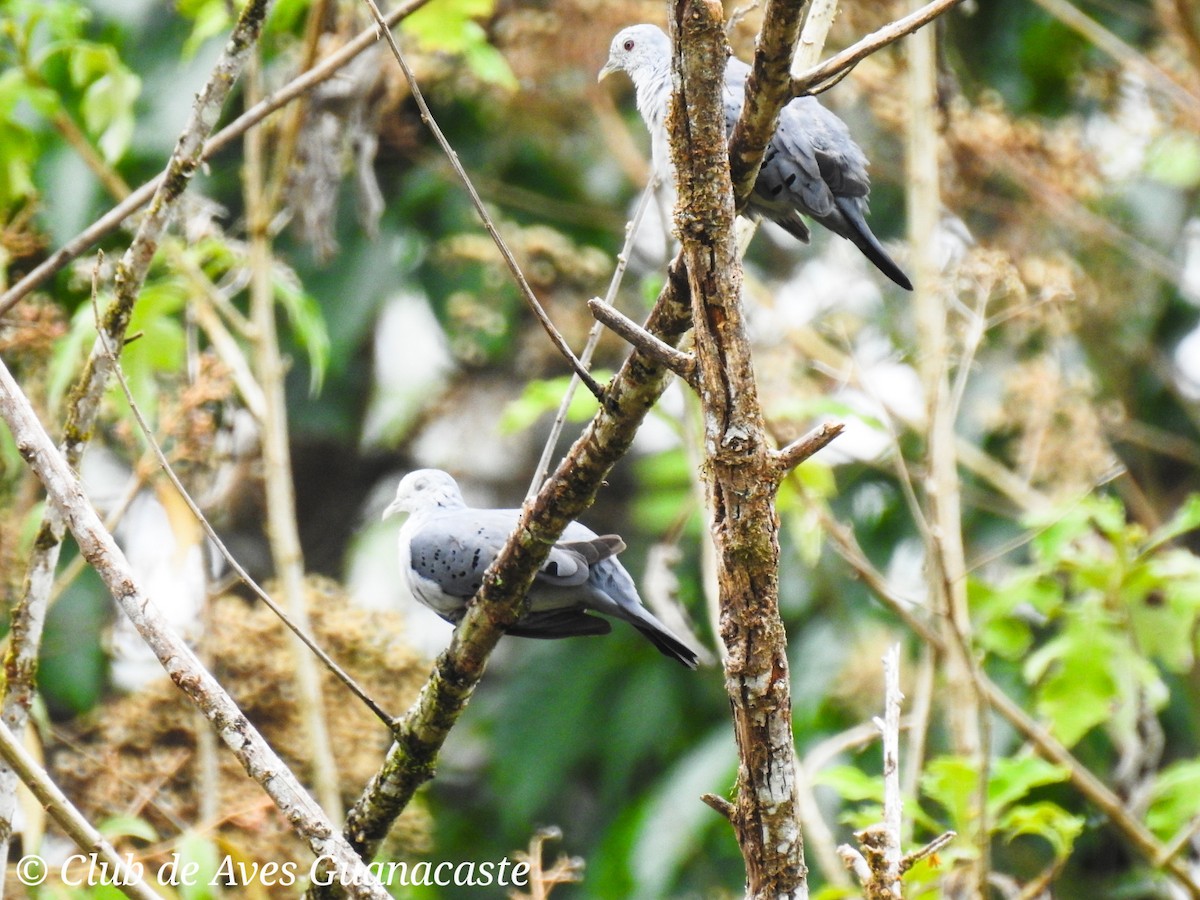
(893, 802)
(805, 82)
(806, 446)
(485, 217)
(232, 561)
(560, 418)
(929, 849)
(682, 364)
(70, 819)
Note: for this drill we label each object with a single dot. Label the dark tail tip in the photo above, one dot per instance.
(669, 645)
(873, 251)
(860, 234)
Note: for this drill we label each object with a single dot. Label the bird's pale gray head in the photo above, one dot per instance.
(638, 49)
(425, 489)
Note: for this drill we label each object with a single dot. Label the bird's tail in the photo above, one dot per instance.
(660, 636)
(854, 228)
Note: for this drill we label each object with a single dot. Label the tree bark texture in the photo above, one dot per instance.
(741, 472)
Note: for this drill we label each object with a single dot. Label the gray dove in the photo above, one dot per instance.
(812, 166)
(446, 546)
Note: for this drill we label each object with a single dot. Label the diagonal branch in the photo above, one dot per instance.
(815, 78)
(421, 731)
(66, 495)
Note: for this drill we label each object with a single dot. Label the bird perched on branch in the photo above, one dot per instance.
(812, 166)
(446, 547)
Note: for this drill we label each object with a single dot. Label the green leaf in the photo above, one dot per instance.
(201, 850)
(209, 19)
(1174, 159)
(953, 781)
(1174, 799)
(307, 323)
(1186, 518)
(851, 784)
(1164, 607)
(128, 826)
(1012, 778)
(448, 26)
(1046, 820)
(108, 111)
(544, 395)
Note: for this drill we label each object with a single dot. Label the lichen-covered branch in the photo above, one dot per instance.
(97, 546)
(420, 733)
(741, 474)
(768, 89)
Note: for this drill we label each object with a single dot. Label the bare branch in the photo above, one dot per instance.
(722, 806)
(911, 859)
(682, 364)
(740, 476)
(801, 449)
(812, 80)
(527, 293)
(893, 803)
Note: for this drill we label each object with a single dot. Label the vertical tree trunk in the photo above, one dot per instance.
(740, 469)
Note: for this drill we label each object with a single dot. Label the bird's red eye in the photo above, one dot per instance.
(628, 45)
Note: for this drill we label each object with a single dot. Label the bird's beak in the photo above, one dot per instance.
(393, 508)
(609, 68)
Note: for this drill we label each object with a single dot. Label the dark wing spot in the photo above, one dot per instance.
(777, 190)
(790, 180)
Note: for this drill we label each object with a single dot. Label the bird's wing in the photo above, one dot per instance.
(559, 623)
(454, 548)
(842, 163)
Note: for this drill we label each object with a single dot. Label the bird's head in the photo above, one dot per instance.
(425, 489)
(635, 49)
